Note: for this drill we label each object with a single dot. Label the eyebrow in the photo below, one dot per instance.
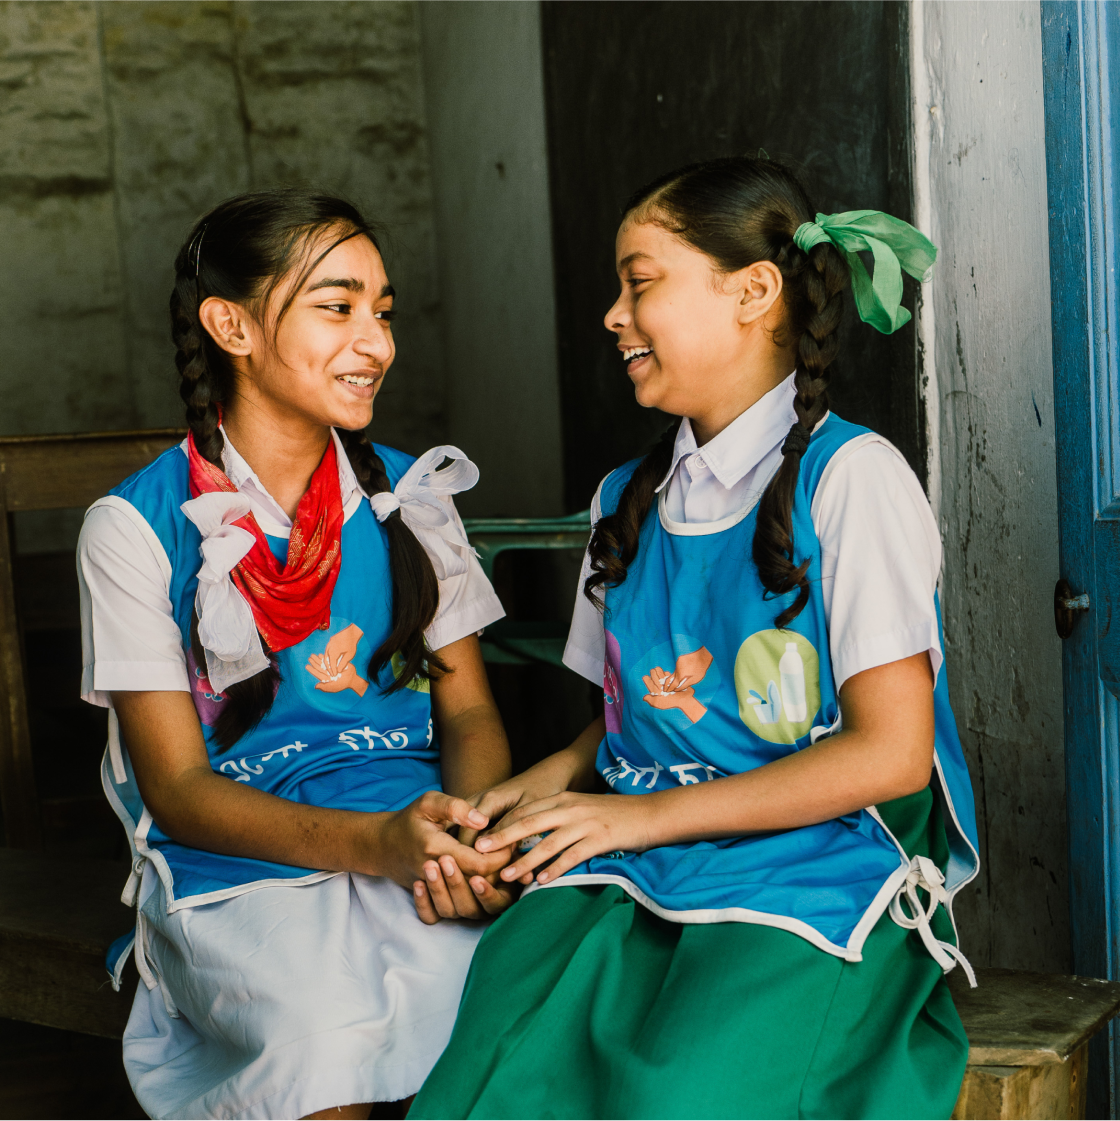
(629, 260)
(350, 283)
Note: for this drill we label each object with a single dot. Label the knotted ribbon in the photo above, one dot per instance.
(894, 245)
(418, 499)
(924, 874)
(245, 593)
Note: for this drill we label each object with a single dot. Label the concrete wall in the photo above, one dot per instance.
(120, 123)
(981, 193)
(486, 114)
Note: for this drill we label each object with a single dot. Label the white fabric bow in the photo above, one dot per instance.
(924, 874)
(417, 496)
(226, 627)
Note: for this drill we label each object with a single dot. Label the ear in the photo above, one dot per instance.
(227, 324)
(759, 286)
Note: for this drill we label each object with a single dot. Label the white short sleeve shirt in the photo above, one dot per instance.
(130, 640)
(880, 547)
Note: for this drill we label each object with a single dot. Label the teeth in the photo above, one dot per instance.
(634, 351)
(354, 379)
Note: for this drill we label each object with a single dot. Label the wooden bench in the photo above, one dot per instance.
(1028, 1037)
(1028, 1032)
(58, 913)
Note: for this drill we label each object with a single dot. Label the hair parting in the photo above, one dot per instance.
(737, 211)
(253, 244)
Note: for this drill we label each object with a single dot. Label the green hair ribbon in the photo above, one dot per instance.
(894, 245)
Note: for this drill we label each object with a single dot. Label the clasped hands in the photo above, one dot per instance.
(578, 827)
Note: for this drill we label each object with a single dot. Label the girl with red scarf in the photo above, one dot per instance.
(282, 618)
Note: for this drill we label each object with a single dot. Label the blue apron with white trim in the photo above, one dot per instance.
(699, 683)
(338, 743)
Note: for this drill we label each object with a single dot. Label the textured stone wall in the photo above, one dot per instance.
(121, 122)
(980, 138)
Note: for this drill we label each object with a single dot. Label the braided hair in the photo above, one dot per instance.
(242, 251)
(737, 211)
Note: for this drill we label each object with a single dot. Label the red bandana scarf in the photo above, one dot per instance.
(290, 600)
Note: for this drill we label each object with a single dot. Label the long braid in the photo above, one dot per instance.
(204, 386)
(414, 579)
(823, 275)
(614, 543)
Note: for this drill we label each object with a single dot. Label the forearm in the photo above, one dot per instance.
(209, 811)
(577, 760)
(474, 750)
(834, 777)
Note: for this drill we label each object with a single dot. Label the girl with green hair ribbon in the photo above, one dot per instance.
(714, 923)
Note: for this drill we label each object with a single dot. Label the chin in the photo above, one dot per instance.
(646, 397)
(353, 419)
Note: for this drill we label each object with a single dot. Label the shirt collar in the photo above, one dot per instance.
(745, 442)
(241, 474)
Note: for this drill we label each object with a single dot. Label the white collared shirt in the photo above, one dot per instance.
(270, 517)
(130, 640)
(880, 547)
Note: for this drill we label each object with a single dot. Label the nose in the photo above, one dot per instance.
(374, 339)
(617, 318)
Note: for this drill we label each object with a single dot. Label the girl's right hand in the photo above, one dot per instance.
(418, 834)
(546, 778)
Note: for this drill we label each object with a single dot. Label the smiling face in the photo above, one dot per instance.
(696, 342)
(320, 360)
(334, 344)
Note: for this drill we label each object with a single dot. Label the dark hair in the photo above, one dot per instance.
(242, 251)
(737, 211)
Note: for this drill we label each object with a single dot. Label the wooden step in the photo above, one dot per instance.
(1028, 1037)
(58, 917)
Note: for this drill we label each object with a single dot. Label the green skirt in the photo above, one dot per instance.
(582, 1003)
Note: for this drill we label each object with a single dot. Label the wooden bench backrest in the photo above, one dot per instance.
(47, 473)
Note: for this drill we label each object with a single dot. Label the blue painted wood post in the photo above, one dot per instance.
(1082, 97)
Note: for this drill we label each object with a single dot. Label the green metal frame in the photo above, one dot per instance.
(510, 642)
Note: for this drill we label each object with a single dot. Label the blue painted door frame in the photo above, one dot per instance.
(1081, 74)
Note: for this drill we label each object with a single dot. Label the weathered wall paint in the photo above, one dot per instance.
(979, 114)
(486, 114)
(121, 123)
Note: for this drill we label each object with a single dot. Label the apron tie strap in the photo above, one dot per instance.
(925, 875)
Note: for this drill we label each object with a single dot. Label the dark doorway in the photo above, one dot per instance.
(634, 90)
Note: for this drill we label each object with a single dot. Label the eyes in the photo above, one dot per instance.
(386, 315)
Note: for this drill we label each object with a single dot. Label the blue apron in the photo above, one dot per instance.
(351, 749)
(698, 684)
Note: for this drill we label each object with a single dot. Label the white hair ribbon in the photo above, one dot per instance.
(419, 497)
(226, 627)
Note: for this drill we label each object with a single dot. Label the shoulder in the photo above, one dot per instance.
(116, 538)
(611, 488)
(151, 498)
(169, 472)
(157, 491)
(832, 439)
(869, 493)
(396, 462)
(866, 465)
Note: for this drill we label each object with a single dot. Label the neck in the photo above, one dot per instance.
(754, 379)
(283, 456)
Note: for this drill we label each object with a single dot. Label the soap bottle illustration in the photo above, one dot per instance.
(791, 669)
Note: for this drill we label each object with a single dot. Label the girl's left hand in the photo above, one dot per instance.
(579, 826)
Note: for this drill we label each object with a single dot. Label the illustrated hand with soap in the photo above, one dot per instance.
(675, 690)
(791, 671)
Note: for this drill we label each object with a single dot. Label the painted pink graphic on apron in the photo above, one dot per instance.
(612, 685)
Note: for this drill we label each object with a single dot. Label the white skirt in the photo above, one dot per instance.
(287, 1000)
